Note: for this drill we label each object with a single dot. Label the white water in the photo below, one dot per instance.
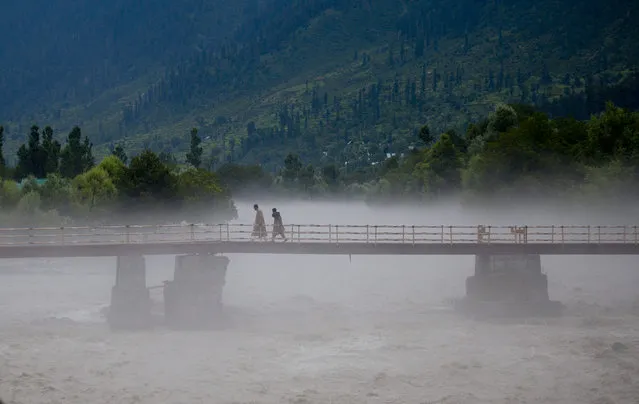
(308, 329)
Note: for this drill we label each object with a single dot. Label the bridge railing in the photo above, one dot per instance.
(320, 233)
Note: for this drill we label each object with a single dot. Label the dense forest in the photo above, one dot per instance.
(515, 150)
(55, 184)
(334, 82)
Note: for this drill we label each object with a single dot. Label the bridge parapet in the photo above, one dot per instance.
(323, 233)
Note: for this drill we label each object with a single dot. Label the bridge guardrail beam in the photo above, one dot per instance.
(300, 233)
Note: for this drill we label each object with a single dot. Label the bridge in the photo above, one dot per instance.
(229, 238)
(507, 258)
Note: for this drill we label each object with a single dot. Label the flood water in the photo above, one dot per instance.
(319, 329)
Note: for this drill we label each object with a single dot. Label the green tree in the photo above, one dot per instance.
(202, 192)
(29, 204)
(611, 179)
(504, 118)
(240, 178)
(51, 149)
(569, 137)
(194, 156)
(119, 152)
(168, 158)
(147, 178)
(31, 157)
(306, 177)
(28, 212)
(88, 161)
(510, 156)
(23, 168)
(30, 183)
(198, 185)
(76, 156)
(441, 170)
(614, 133)
(425, 135)
(2, 161)
(9, 194)
(116, 169)
(94, 188)
(56, 193)
(330, 173)
(292, 167)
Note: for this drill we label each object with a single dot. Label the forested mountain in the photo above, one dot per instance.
(57, 55)
(333, 80)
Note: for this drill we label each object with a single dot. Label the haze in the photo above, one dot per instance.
(318, 329)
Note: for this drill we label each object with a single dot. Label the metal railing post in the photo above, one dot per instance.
(192, 226)
(441, 230)
(375, 234)
(228, 233)
(337, 234)
(413, 234)
(298, 234)
(330, 233)
(62, 235)
(367, 233)
(127, 235)
(403, 233)
(588, 234)
(450, 229)
(563, 239)
(489, 233)
(220, 226)
(598, 234)
(552, 234)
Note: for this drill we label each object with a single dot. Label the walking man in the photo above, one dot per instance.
(259, 227)
(278, 225)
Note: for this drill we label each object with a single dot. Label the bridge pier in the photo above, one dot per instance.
(194, 298)
(130, 300)
(508, 285)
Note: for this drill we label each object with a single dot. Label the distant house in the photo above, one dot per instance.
(39, 181)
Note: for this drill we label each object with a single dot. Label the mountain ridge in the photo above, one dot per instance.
(328, 72)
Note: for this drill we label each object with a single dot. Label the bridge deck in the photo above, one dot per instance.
(317, 239)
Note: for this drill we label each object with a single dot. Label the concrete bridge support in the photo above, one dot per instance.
(508, 285)
(511, 278)
(130, 301)
(193, 299)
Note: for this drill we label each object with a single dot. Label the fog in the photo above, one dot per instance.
(322, 329)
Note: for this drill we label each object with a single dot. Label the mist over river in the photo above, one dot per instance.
(326, 329)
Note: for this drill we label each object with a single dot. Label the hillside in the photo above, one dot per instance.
(334, 80)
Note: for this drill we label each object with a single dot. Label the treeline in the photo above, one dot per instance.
(386, 117)
(517, 151)
(51, 184)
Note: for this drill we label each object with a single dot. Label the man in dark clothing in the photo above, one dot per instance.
(278, 225)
